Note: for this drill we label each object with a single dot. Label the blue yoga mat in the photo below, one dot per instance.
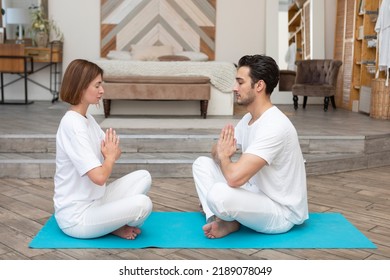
(184, 230)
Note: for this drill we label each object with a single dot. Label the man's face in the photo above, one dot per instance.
(245, 93)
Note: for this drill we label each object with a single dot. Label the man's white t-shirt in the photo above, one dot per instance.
(78, 150)
(283, 179)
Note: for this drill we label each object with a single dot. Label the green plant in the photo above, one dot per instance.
(40, 23)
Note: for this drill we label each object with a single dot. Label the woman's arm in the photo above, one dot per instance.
(111, 152)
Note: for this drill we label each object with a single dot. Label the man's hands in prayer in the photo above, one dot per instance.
(227, 144)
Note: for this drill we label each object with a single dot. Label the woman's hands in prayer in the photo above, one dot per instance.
(110, 145)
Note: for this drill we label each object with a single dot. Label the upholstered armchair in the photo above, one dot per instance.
(317, 78)
(286, 80)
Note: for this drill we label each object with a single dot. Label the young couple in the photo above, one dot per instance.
(265, 189)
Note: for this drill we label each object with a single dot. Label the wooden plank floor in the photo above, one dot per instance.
(361, 196)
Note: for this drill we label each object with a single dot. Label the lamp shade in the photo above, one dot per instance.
(18, 16)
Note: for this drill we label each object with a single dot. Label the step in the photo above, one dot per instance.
(165, 143)
(171, 155)
(129, 143)
(42, 165)
(174, 165)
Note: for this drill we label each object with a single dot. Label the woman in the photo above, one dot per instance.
(85, 207)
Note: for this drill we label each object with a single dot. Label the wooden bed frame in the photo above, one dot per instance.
(156, 88)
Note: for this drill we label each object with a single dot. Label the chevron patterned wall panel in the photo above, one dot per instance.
(185, 24)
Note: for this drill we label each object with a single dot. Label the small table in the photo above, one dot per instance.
(51, 56)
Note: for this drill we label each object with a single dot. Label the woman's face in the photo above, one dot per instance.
(94, 92)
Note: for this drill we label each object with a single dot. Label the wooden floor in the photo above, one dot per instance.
(363, 197)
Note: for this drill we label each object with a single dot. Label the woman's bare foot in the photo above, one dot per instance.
(220, 228)
(127, 232)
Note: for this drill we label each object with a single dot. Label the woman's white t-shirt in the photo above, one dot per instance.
(78, 150)
(274, 138)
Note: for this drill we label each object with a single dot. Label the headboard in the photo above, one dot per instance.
(187, 25)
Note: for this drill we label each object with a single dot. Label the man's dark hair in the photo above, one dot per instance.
(261, 67)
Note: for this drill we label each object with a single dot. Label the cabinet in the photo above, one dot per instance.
(51, 54)
(355, 46)
(299, 28)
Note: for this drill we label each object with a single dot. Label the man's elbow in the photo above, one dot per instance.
(235, 182)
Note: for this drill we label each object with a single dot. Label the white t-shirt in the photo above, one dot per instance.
(283, 179)
(78, 150)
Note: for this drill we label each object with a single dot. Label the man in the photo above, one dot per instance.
(265, 188)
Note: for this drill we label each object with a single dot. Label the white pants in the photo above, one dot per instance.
(246, 205)
(124, 203)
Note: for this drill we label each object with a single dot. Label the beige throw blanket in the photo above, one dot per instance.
(221, 74)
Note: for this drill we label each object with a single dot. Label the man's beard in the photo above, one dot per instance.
(246, 101)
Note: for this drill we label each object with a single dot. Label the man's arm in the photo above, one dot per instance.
(235, 173)
(238, 173)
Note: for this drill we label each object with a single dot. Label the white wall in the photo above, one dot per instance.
(283, 42)
(80, 23)
(243, 27)
(317, 29)
(330, 27)
(272, 46)
(240, 29)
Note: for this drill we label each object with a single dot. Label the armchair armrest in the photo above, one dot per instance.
(333, 72)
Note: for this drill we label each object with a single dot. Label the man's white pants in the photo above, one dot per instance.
(124, 203)
(246, 205)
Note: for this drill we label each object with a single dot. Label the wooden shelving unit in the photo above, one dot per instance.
(295, 28)
(299, 29)
(355, 45)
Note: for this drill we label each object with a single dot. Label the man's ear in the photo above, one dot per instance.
(260, 86)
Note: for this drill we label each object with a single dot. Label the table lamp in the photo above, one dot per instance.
(18, 16)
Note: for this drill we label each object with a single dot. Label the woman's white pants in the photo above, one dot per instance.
(246, 205)
(124, 203)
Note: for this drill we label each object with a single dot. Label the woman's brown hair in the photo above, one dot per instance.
(78, 75)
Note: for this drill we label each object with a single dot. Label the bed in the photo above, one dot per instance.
(166, 76)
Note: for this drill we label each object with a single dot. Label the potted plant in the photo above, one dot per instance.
(42, 27)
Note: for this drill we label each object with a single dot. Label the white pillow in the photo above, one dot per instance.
(150, 53)
(119, 55)
(194, 56)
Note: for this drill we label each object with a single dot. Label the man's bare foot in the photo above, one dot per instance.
(220, 228)
(127, 232)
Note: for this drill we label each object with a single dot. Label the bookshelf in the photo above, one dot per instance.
(299, 28)
(356, 47)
